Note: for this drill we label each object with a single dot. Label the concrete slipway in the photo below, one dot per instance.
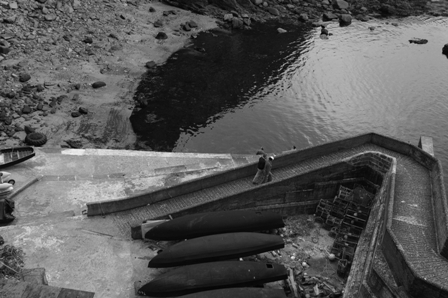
(90, 253)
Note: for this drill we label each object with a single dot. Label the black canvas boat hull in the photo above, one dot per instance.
(15, 155)
(215, 275)
(239, 293)
(216, 248)
(203, 224)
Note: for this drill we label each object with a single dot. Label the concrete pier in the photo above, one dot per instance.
(91, 254)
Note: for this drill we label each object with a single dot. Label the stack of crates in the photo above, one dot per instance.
(346, 221)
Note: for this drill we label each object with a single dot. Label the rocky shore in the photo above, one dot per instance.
(69, 68)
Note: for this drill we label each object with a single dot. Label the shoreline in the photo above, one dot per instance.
(52, 51)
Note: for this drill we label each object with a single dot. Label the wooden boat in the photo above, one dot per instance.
(218, 247)
(240, 293)
(215, 275)
(15, 155)
(202, 224)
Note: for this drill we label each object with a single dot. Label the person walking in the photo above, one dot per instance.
(259, 176)
(264, 167)
(267, 170)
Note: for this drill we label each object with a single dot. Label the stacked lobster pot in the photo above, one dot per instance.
(346, 217)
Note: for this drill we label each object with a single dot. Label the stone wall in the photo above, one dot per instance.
(297, 195)
(440, 209)
(374, 230)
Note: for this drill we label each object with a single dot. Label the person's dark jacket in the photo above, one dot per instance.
(261, 162)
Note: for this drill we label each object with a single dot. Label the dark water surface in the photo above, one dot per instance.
(260, 88)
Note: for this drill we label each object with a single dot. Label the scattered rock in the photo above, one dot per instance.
(24, 77)
(186, 27)
(13, 5)
(76, 114)
(362, 18)
(74, 143)
(192, 24)
(158, 24)
(61, 98)
(237, 23)
(445, 50)
(5, 47)
(328, 16)
(152, 9)
(161, 35)
(228, 17)
(40, 88)
(281, 30)
(303, 17)
(345, 19)
(340, 4)
(274, 11)
(83, 110)
(50, 17)
(75, 97)
(98, 84)
(29, 129)
(26, 109)
(418, 41)
(150, 64)
(88, 39)
(387, 9)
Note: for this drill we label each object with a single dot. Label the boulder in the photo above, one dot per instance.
(274, 11)
(303, 17)
(237, 23)
(5, 47)
(24, 77)
(345, 20)
(281, 30)
(418, 41)
(445, 50)
(340, 4)
(386, 9)
(98, 84)
(328, 16)
(161, 35)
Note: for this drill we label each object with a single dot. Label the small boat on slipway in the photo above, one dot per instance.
(203, 224)
(239, 293)
(210, 276)
(15, 155)
(218, 247)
